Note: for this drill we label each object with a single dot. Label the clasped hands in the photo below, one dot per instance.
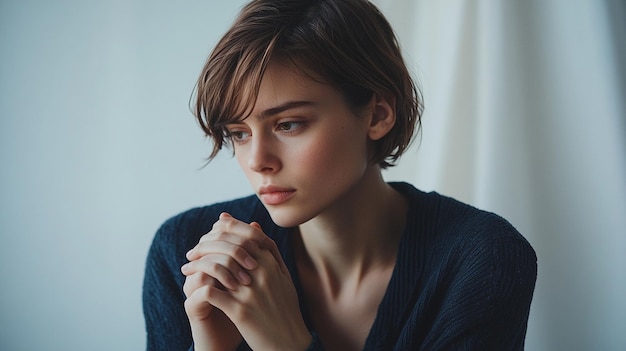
(238, 287)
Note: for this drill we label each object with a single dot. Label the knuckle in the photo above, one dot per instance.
(191, 303)
(261, 277)
(229, 223)
(199, 294)
(217, 225)
(218, 234)
(219, 228)
(192, 282)
(210, 235)
(188, 305)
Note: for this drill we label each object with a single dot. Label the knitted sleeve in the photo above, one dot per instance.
(167, 325)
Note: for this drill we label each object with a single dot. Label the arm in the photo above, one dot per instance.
(166, 323)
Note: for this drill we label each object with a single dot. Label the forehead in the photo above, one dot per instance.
(284, 83)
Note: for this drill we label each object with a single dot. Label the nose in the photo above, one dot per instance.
(263, 156)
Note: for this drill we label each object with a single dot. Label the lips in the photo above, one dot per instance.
(273, 195)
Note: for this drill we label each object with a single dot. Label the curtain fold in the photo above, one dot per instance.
(525, 116)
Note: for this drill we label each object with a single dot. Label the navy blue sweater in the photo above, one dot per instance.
(463, 280)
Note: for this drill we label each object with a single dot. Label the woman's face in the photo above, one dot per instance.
(302, 148)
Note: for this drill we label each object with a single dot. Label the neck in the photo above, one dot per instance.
(359, 234)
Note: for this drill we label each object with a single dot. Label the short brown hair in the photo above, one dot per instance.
(348, 43)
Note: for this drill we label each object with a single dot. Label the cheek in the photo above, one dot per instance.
(334, 153)
(242, 161)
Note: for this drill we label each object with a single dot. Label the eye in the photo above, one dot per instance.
(289, 126)
(238, 136)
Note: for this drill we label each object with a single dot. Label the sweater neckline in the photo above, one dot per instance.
(397, 299)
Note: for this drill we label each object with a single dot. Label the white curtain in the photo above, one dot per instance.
(525, 116)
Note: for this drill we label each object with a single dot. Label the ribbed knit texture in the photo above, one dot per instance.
(463, 279)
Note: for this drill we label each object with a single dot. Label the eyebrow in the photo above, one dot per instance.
(284, 107)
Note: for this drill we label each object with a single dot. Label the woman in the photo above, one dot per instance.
(315, 100)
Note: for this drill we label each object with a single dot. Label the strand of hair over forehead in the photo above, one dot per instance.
(248, 66)
(291, 13)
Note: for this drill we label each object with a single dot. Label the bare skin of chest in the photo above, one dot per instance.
(343, 320)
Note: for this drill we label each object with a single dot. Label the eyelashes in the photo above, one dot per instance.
(290, 126)
(240, 133)
(237, 136)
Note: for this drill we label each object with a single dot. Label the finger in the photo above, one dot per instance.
(264, 240)
(228, 224)
(226, 247)
(271, 245)
(197, 280)
(195, 308)
(237, 232)
(218, 234)
(207, 294)
(221, 267)
(198, 305)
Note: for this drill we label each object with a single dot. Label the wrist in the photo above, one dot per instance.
(303, 337)
(302, 341)
(298, 340)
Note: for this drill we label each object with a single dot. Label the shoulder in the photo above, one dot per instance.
(468, 252)
(453, 232)
(449, 219)
(477, 229)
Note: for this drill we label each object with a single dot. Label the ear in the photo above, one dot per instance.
(383, 116)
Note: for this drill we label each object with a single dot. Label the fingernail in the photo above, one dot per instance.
(185, 268)
(189, 253)
(244, 278)
(250, 263)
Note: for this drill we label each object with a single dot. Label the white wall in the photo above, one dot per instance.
(97, 148)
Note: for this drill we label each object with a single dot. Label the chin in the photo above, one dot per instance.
(286, 218)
